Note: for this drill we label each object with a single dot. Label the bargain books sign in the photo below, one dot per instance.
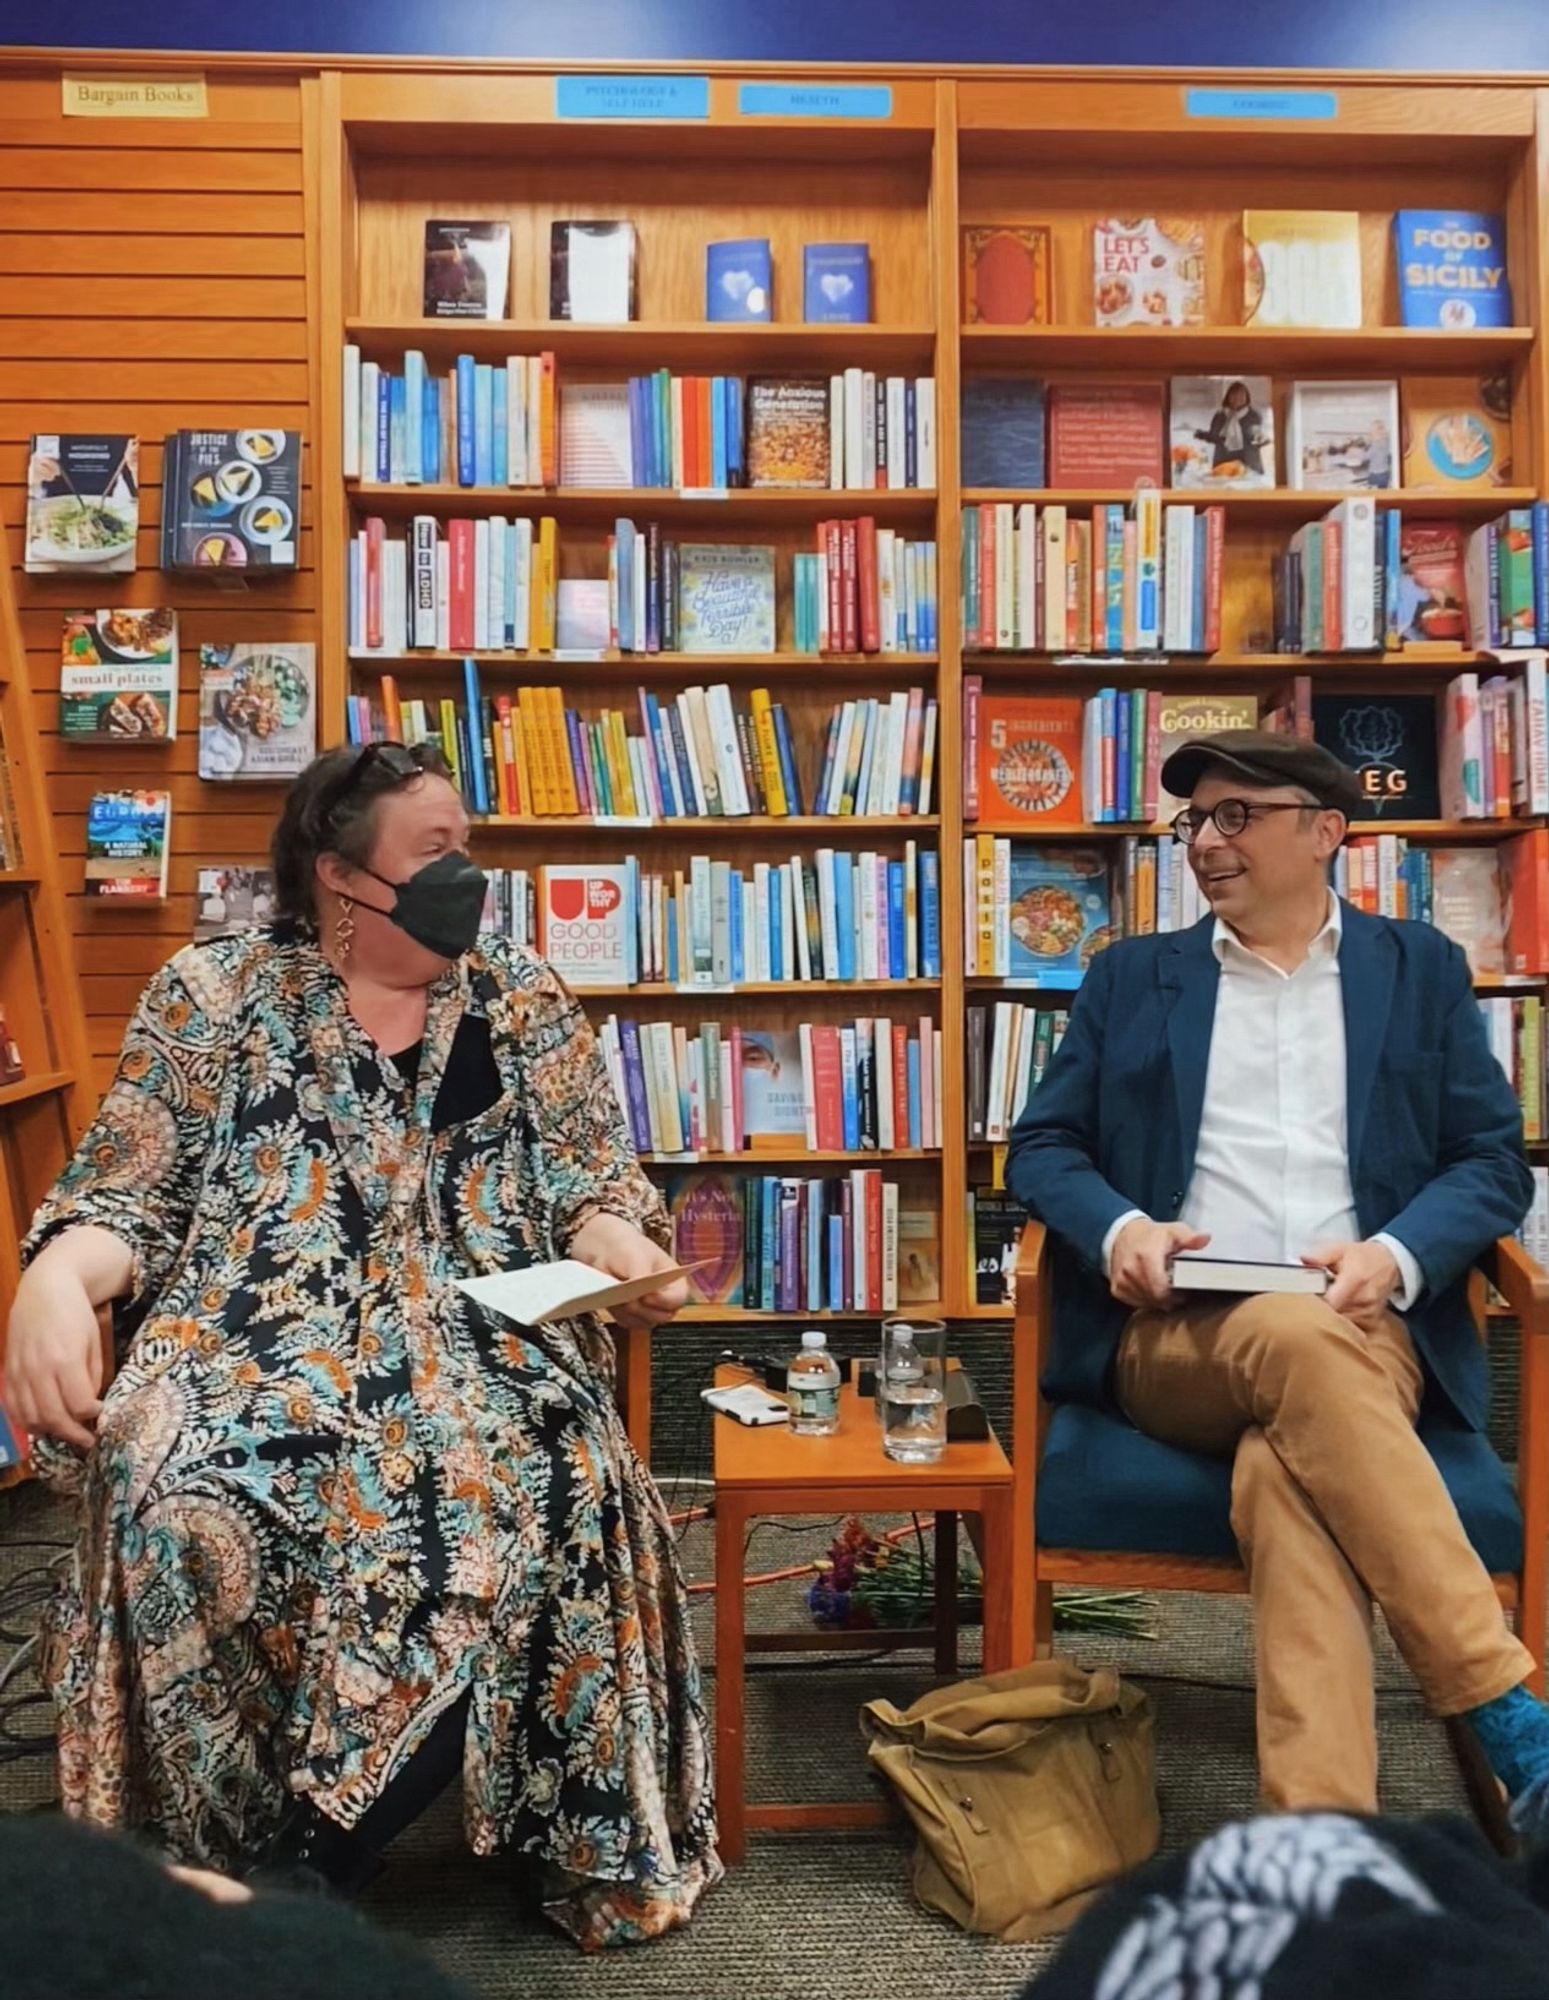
(134, 97)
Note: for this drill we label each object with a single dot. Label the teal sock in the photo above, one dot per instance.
(1513, 1732)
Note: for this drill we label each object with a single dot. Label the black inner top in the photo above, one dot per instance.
(471, 1082)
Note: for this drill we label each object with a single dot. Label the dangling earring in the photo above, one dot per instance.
(344, 931)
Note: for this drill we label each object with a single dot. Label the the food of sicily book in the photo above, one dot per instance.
(1452, 268)
(83, 502)
(118, 676)
(739, 280)
(467, 269)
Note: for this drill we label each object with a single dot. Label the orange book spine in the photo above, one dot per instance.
(548, 421)
(392, 710)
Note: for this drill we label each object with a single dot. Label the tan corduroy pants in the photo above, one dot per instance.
(1335, 1504)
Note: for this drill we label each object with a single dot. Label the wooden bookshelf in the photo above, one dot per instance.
(398, 147)
(44, 1113)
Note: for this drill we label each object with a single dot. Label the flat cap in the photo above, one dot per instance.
(1265, 757)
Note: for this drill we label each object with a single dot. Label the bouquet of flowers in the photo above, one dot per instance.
(868, 1581)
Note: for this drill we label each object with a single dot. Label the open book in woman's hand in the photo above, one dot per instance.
(562, 1289)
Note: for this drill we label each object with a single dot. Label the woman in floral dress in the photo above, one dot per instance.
(344, 1533)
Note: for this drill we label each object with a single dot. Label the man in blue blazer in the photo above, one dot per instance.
(1292, 1082)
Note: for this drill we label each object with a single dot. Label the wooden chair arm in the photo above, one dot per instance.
(1521, 1283)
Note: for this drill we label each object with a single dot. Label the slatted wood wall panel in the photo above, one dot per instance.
(153, 277)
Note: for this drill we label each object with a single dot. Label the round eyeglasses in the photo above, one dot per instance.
(1231, 816)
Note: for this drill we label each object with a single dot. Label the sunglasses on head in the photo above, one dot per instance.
(400, 761)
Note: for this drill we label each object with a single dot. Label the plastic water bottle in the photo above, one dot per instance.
(812, 1388)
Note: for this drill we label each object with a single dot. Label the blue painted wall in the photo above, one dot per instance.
(1437, 35)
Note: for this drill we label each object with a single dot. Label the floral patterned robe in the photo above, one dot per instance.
(328, 1493)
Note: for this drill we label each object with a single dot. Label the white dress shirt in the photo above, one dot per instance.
(1272, 1168)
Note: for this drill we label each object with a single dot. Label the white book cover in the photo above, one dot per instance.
(584, 920)
(481, 561)
(1221, 431)
(898, 725)
(866, 886)
(1052, 623)
(720, 922)
(691, 752)
(758, 953)
(396, 596)
(1000, 1058)
(413, 417)
(854, 428)
(1343, 436)
(594, 444)
(925, 432)
(1357, 519)
(516, 420)
(1178, 581)
(836, 775)
(352, 373)
(868, 477)
(1536, 731)
(562, 1290)
(443, 595)
(667, 1104)
(728, 751)
(809, 1103)
(1024, 1077)
(675, 428)
(887, 1109)
(836, 432)
(827, 918)
(370, 379)
(424, 533)
(897, 452)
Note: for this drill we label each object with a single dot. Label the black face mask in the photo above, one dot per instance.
(440, 905)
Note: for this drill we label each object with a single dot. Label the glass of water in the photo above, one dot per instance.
(911, 1389)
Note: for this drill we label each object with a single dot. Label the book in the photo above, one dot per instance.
(594, 436)
(773, 1091)
(1221, 431)
(1452, 268)
(1149, 271)
(467, 269)
(1343, 436)
(1029, 758)
(1002, 428)
(1246, 1274)
(1106, 434)
(257, 710)
(709, 1232)
(1059, 913)
(788, 432)
(592, 274)
(232, 899)
(1182, 717)
(231, 500)
(1457, 431)
(836, 287)
(1524, 868)
(118, 676)
(12, 1066)
(1007, 275)
(1389, 741)
(535, 1293)
(1301, 267)
(919, 1256)
(1430, 601)
(739, 280)
(1466, 903)
(83, 502)
(583, 923)
(128, 837)
(726, 598)
(998, 1221)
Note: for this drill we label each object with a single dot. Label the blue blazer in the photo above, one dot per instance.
(1435, 1132)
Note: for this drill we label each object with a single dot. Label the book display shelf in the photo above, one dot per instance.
(400, 149)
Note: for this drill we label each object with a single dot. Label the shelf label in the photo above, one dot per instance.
(815, 100)
(1216, 102)
(702, 492)
(632, 97)
(622, 819)
(133, 97)
(573, 653)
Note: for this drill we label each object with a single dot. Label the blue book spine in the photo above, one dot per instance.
(849, 1090)
(1541, 572)
(768, 1262)
(466, 398)
(844, 912)
(782, 729)
(835, 1262)
(661, 412)
(680, 760)
(1124, 805)
(384, 427)
(930, 914)
(500, 417)
(638, 458)
(483, 424)
(896, 961)
(634, 1087)
(916, 1106)
(1113, 571)
(776, 930)
(475, 774)
(430, 439)
(739, 942)
(413, 415)
(658, 748)
(718, 430)
(1392, 573)
(932, 631)
(397, 433)
(1197, 607)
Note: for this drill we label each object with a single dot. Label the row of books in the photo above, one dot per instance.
(1122, 581)
(857, 1087)
(996, 1220)
(865, 590)
(834, 916)
(1534, 1232)
(1008, 1047)
(1040, 914)
(1514, 1024)
(230, 502)
(512, 423)
(789, 1243)
(593, 274)
(1072, 759)
(1299, 268)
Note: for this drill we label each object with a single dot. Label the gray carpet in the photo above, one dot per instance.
(829, 1917)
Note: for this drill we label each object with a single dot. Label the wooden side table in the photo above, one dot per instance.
(770, 1471)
